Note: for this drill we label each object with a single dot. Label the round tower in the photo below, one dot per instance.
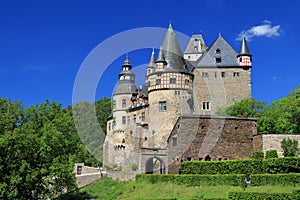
(169, 91)
(244, 57)
(122, 96)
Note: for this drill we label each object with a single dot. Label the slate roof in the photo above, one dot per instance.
(152, 60)
(244, 49)
(220, 49)
(172, 52)
(195, 45)
(126, 86)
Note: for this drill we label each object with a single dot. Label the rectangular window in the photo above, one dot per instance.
(204, 75)
(186, 82)
(114, 104)
(177, 92)
(123, 103)
(215, 74)
(218, 60)
(123, 119)
(109, 126)
(223, 74)
(128, 119)
(143, 116)
(162, 106)
(236, 74)
(158, 81)
(205, 105)
(172, 80)
(134, 118)
(174, 141)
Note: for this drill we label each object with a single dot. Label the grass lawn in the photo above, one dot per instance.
(109, 189)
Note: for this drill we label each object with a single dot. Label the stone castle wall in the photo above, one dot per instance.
(210, 86)
(273, 142)
(210, 138)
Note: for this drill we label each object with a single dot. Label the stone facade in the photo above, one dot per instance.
(210, 138)
(221, 87)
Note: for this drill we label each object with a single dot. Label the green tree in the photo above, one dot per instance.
(35, 146)
(290, 147)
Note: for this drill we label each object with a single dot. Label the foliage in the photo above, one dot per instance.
(271, 154)
(259, 155)
(90, 121)
(290, 147)
(249, 166)
(259, 196)
(281, 117)
(38, 148)
(291, 179)
(35, 145)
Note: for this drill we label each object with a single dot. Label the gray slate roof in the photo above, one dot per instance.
(196, 45)
(172, 52)
(219, 49)
(126, 86)
(152, 60)
(244, 49)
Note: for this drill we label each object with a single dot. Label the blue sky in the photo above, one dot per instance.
(44, 43)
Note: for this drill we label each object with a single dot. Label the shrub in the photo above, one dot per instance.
(259, 196)
(249, 166)
(271, 154)
(257, 155)
(221, 179)
(290, 147)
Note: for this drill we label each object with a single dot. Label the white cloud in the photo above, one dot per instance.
(265, 29)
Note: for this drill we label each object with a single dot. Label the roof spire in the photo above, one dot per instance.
(244, 50)
(161, 56)
(127, 62)
(152, 60)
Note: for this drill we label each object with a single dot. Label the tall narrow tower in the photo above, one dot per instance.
(244, 56)
(169, 90)
(114, 147)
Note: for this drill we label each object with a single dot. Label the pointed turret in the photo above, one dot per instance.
(172, 52)
(244, 50)
(126, 78)
(126, 65)
(244, 57)
(151, 65)
(161, 56)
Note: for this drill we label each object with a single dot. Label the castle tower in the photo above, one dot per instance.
(244, 57)
(114, 149)
(169, 90)
(221, 79)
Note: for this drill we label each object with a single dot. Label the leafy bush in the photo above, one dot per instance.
(193, 179)
(271, 154)
(259, 196)
(290, 147)
(249, 166)
(257, 155)
(221, 179)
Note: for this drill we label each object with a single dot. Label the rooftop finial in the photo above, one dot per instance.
(126, 61)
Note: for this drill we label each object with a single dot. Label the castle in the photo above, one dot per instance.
(172, 118)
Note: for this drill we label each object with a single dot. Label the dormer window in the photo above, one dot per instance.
(218, 60)
(218, 51)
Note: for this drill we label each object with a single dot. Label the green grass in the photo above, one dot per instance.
(109, 189)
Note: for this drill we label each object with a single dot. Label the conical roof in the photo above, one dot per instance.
(161, 56)
(127, 62)
(172, 52)
(244, 49)
(152, 60)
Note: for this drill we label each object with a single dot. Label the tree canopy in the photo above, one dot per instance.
(38, 148)
(280, 117)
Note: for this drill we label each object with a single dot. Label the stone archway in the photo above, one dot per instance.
(155, 165)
